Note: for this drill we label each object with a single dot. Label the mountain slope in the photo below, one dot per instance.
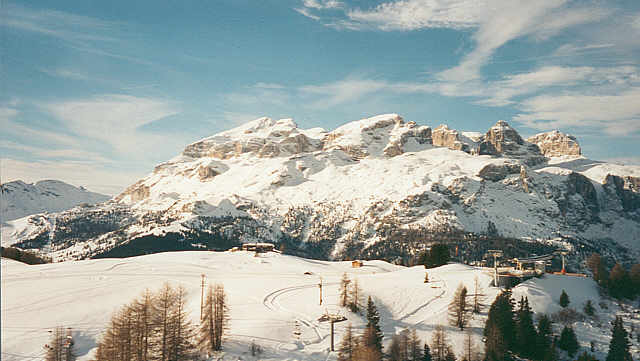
(269, 296)
(20, 199)
(376, 187)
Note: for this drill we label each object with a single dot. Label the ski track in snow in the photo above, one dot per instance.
(271, 301)
(426, 304)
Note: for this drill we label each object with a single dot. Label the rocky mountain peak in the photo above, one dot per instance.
(555, 143)
(450, 138)
(264, 137)
(382, 135)
(502, 139)
(502, 134)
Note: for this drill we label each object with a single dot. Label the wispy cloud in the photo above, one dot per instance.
(419, 14)
(493, 23)
(574, 49)
(113, 119)
(79, 32)
(550, 78)
(516, 19)
(48, 153)
(322, 4)
(58, 24)
(344, 91)
(7, 113)
(93, 176)
(616, 114)
(261, 85)
(66, 73)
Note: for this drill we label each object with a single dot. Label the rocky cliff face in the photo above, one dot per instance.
(503, 140)
(374, 187)
(555, 144)
(450, 138)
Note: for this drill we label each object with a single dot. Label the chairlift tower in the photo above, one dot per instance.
(332, 318)
(563, 253)
(496, 253)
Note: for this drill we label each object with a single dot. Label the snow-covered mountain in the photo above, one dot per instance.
(375, 187)
(21, 199)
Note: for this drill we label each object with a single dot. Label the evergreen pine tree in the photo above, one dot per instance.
(525, 331)
(618, 281)
(499, 329)
(450, 356)
(374, 338)
(588, 308)
(426, 353)
(568, 341)
(634, 280)
(543, 339)
(619, 344)
(564, 299)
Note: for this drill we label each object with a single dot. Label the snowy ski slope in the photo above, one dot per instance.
(270, 296)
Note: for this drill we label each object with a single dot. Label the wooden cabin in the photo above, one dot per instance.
(258, 247)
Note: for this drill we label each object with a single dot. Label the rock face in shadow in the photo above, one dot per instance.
(503, 140)
(497, 172)
(555, 143)
(625, 190)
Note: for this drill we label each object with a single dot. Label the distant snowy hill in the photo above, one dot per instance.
(376, 187)
(270, 298)
(21, 199)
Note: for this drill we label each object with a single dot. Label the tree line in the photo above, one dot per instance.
(618, 282)
(19, 255)
(511, 334)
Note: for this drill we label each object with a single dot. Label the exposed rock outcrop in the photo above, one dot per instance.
(624, 190)
(554, 144)
(503, 140)
(263, 137)
(444, 137)
(497, 172)
(135, 192)
(386, 135)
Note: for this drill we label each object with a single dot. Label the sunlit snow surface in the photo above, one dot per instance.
(268, 295)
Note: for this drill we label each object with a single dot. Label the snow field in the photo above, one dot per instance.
(270, 297)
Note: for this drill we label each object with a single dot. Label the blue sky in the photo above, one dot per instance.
(96, 93)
